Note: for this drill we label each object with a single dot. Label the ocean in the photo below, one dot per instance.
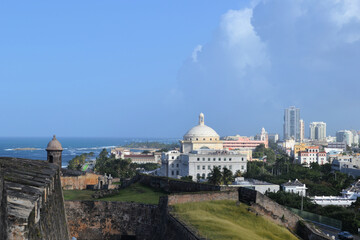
(9, 147)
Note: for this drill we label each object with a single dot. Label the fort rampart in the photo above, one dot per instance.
(31, 200)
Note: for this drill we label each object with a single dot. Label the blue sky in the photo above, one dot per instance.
(148, 68)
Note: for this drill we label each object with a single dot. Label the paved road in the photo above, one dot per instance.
(331, 231)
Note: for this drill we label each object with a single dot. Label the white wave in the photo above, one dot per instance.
(94, 148)
(24, 149)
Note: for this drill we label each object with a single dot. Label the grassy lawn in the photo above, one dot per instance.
(136, 193)
(77, 194)
(226, 220)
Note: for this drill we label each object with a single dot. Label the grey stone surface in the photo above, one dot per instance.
(32, 204)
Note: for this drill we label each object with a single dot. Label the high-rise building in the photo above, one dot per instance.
(302, 130)
(345, 136)
(273, 137)
(317, 131)
(355, 137)
(292, 123)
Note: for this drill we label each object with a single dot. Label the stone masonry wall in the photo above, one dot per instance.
(177, 230)
(3, 217)
(173, 186)
(279, 214)
(31, 200)
(79, 182)
(202, 196)
(53, 222)
(111, 220)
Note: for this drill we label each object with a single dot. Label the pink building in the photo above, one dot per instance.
(238, 142)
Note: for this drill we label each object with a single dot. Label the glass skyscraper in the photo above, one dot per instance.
(292, 123)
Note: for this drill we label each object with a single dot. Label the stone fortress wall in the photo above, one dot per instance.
(279, 214)
(79, 182)
(92, 220)
(171, 185)
(31, 200)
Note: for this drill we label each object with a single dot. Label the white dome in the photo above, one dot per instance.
(201, 130)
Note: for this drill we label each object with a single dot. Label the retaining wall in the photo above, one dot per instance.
(280, 214)
(170, 185)
(79, 182)
(202, 196)
(112, 220)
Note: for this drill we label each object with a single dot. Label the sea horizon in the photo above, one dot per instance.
(73, 146)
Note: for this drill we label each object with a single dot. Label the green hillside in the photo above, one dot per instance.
(226, 220)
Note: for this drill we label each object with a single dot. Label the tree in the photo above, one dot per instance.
(187, 178)
(237, 174)
(227, 176)
(116, 167)
(215, 176)
(78, 161)
(261, 151)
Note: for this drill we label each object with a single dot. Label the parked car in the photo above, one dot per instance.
(345, 235)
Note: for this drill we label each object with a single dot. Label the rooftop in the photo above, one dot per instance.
(295, 183)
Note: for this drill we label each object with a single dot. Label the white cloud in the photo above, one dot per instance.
(345, 11)
(195, 53)
(274, 54)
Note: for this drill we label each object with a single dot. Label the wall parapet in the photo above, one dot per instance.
(171, 185)
(202, 196)
(280, 214)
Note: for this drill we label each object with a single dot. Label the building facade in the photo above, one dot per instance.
(170, 164)
(317, 131)
(273, 137)
(312, 154)
(292, 123)
(302, 130)
(294, 187)
(345, 136)
(201, 150)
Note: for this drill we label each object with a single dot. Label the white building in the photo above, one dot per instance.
(302, 130)
(170, 164)
(273, 137)
(338, 145)
(318, 131)
(294, 187)
(347, 164)
(311, 155)
(345, 136)
(348, 197)
(201, 151)
(257, 185)
(200, 163)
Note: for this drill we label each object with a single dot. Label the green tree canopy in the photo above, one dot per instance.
(215, 176)
(78, 161)
(227, 176)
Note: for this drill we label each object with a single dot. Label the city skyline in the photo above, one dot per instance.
(125, 69)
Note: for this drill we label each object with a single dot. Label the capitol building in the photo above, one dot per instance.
(201, 150)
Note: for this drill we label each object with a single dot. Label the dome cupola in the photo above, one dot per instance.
(201, 131)
(54, 145)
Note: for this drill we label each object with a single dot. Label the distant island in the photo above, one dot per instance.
(26, 149)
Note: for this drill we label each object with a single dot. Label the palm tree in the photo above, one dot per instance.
(215, 176)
